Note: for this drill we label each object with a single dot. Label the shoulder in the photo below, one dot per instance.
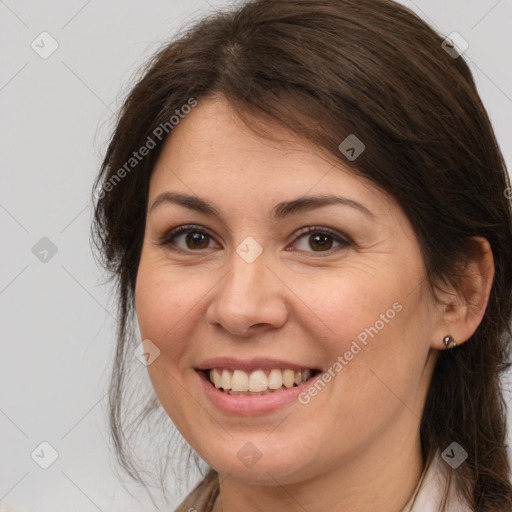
(202, 497)
(432, 488)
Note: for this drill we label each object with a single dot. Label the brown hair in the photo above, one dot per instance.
(325, 69)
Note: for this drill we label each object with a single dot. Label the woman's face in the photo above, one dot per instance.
(246, 290)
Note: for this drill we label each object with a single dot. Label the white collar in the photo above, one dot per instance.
(431, 489)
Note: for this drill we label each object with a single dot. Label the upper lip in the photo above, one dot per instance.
(250, 364)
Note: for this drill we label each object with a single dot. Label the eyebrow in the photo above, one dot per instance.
(280, 210)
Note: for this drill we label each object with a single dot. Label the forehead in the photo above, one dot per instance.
(214, 154)
(213, 135)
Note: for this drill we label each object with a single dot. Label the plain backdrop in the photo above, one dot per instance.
(57, 319)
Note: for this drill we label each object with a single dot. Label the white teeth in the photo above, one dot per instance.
(258, 381)
(275, 379)
(226, 379)
(239, 382)
(216, 377)
(288, 378)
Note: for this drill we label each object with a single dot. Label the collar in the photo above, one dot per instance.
(431, 489)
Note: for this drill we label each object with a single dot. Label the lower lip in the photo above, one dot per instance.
(247, 405)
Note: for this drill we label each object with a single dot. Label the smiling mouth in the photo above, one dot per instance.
(258, 382)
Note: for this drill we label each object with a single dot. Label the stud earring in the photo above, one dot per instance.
(449, 339)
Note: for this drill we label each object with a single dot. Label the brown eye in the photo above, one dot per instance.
(320, 241)
(315, 239)
(187, 238)
(196, 240)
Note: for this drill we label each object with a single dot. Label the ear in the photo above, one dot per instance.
(464, 304)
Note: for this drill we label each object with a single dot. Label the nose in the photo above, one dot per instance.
(248, 300)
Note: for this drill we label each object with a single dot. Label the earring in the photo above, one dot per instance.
(449, 339)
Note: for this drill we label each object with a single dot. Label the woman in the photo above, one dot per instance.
(305, 208)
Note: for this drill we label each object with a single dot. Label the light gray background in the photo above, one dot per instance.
(57, 326)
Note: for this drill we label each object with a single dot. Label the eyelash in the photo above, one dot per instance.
(344, 241)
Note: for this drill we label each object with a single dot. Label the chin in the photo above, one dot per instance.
(260, 462)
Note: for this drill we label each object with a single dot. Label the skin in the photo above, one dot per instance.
(355, 446)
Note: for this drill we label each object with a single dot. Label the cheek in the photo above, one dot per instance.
(376, 339)
(167, 309)
(354, 305)
(167, 305)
